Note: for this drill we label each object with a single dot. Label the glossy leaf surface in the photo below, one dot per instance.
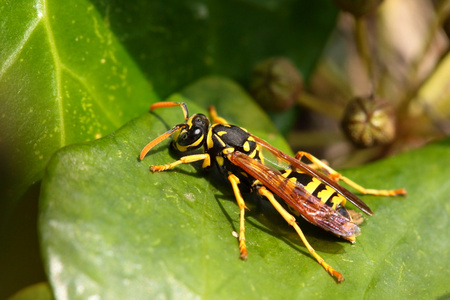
(64, 78)
(111, 228)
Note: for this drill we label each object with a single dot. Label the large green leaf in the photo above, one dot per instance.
(64, 78)
(112, 229)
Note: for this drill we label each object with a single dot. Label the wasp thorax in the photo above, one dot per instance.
(369, 121)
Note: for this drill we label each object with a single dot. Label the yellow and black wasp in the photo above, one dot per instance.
(309, 190)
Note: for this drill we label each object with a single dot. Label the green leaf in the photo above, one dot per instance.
(64, 78)
(112, 229)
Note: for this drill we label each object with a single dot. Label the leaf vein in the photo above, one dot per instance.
(26, 36)
(58, 67)
(82, 80)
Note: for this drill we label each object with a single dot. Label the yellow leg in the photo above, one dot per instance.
(215, 117)
(184, 160)
(291, 221)
(240, 201)
(337, 176)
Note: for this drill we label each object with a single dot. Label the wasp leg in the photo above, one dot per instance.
(334, 175)
(184, 160)
(215, 117)
(234, 180)
(291, 221)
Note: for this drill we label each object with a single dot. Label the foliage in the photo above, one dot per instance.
(72, 73)
(110, 227)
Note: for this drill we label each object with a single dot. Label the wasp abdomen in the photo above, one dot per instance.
(324, 193)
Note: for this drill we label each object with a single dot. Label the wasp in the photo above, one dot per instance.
(310, 190)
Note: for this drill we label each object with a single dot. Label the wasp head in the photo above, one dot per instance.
(193, 134)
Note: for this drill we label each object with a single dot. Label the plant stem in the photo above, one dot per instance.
(362, 45)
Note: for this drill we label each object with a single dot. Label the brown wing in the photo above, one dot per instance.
(306, 169)
(294, 194)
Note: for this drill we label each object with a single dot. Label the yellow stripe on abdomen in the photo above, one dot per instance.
(325, 194)
(312, 185)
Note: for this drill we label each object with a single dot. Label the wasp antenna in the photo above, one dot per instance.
(172, 104)
(159, 139)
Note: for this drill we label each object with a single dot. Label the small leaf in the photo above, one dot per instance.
(39, 291)
(112, 229)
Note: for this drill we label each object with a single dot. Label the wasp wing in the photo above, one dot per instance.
(297, 197)
(296, 164)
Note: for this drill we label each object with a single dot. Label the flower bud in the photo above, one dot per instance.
(276, 84)
(369, 121)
